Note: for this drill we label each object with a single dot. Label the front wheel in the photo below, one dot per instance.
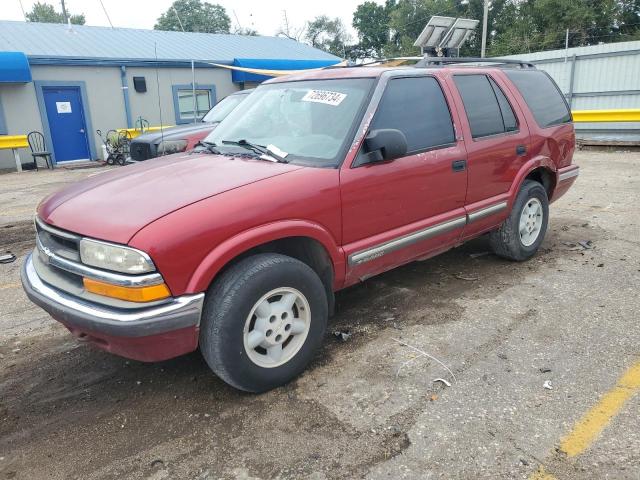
(521, 234)
(263, 321)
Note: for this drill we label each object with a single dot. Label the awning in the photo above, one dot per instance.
(273, 64)
(14, 68)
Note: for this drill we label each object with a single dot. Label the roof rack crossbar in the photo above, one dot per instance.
(429, 61)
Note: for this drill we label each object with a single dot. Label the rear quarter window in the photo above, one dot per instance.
(542, 95)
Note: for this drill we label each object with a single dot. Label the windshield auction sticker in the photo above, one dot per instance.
(324, 96)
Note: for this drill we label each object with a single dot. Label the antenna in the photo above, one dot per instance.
(64, 11)
(237, 20)
(177, 16)
(155, 49)
(106, 14)
(193, 92)
(23, 14)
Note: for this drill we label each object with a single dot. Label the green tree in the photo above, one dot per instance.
(45, 13)
(245, 31)
(533, 25)
(408, 18)
(194, 16)
(371, 21)
(327, 34)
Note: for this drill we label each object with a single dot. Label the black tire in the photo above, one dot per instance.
(506, 241)
(228, 303)
(110, 159)
(121, 160)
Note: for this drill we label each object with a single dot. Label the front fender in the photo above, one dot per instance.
(226, 251)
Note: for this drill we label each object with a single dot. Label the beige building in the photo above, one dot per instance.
(68, 82)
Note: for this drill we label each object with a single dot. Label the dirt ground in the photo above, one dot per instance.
(368, 407)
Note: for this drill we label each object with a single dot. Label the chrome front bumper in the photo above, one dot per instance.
(176, 313)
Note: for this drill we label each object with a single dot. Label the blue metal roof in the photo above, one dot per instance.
(14, 68)
(57, 42)
(274, 64)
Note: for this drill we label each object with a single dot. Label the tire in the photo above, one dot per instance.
(508, 241)
(231, 318)
(121, 160)
(110, 160)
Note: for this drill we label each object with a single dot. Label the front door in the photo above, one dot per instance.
(67, 124)
(397, 211)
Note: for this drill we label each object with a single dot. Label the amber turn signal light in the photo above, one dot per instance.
(131, 294)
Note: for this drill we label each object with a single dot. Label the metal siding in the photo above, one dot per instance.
(56, 40)
(606, 69)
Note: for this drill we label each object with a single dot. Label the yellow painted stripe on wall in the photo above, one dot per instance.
(596, 419)
(617, 115)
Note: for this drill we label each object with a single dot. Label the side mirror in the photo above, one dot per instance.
(385, 144)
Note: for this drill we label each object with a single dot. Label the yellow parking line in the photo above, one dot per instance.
(541, 474)
(596, 419)
(4, 286)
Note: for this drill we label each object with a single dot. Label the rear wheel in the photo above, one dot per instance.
(521, 234)
(263, 321)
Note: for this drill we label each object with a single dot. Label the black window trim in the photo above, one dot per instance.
(358, 162)
(493, 135)
(564, 99)
(494, 85)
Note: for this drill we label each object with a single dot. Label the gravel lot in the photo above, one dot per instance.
(368, 406)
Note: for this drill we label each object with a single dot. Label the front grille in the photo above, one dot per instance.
(64, 244)
(140, 151)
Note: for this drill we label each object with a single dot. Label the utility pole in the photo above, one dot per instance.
(64, 12)
(484, 28)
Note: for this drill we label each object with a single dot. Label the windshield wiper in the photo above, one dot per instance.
(211, 147)
(257, 149)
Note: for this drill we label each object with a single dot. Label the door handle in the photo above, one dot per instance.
(458, 165)
(521, 150)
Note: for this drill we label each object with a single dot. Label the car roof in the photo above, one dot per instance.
(374, 72)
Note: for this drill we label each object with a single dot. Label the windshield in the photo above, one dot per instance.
(223, 108)
(305, 122)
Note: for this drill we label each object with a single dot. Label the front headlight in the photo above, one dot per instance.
(168, 147)
(114, 257)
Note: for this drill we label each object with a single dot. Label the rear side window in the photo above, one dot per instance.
(542, 96)
(486, 106)
(417, 107)
(508, 117)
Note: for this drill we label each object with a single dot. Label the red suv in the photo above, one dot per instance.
(316, 182)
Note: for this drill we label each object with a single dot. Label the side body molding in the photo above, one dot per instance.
(223, 253)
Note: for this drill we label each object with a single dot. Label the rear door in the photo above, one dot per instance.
(497, 140)
(397, 211)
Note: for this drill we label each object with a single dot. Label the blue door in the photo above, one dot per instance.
(66, 123)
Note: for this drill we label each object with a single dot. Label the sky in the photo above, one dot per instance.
(265, 16)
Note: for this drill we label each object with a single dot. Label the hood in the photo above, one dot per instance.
(115, 204)
(174, 133)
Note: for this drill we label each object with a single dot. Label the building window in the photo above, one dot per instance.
(184, 104)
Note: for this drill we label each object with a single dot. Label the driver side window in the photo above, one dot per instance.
(417, 107)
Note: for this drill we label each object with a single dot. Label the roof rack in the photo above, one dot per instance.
(440, 61)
